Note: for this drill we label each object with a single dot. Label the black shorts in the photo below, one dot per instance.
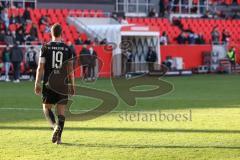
(51, 97)
(32, 65)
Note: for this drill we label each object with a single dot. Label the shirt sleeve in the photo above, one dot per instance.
(42, 58)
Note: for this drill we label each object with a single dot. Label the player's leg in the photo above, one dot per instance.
(34, 71)
(14, 71)
(61, 117)
(47, 110)
(7, 68)
(30, 74)
(89, 72)
(57, 133)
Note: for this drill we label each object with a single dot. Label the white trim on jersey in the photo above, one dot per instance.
(42, 60)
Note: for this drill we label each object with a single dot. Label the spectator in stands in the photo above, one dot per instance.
(20, 37)
(191, 38)
(215, 36)
(200, 39)
(20, 18)
(96, 41)
(93, 57)
(176, 21)
(221, 14)
(164, 38)
(14, 36)
(2, 26)
(225, 37)
(2, 36)
(47, 29)
(13, 19)
(8, 38)
(188, 30)
(4, 18)
(103, 42)
(190, 35)
(26, 15)
(231, 55)
(33, 32)
(236, 15)
(7, 62)
(181, 38)
(206, 15)
(152, 13)
(151, 58)
(16, 59)
(43, 20)
(22, 27)
(79, 41)
(87, 41)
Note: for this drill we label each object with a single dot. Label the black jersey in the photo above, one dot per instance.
(55, 55)
(31, 56)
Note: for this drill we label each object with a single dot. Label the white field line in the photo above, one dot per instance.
(195, 111)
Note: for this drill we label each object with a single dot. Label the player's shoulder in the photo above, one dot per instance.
(46, 46)
(53, 44)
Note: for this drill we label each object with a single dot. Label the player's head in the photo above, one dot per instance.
(56, 30)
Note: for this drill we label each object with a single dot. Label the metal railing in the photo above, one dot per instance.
(90, 32)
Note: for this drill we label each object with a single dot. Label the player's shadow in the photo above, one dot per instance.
(108, 129)
(139, 146)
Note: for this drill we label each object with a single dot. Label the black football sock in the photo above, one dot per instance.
(50, 116)
(61, 121)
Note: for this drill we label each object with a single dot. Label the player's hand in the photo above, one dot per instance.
(72, 90)
(38, 89)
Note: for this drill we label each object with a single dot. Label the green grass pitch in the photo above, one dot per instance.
(212, 134)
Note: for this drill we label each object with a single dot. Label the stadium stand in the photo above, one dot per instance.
(54, 15)
(198, 25)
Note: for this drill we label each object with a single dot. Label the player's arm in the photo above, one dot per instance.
(71, 77)
(39, 73)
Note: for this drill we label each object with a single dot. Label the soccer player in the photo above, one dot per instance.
(31, 61)
(51, 66)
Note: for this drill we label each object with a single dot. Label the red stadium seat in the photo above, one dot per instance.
(43, 11)
(12, 27)
(86, 13)
(228, 2)
(51, 11)
(99, 13)
(65, 12)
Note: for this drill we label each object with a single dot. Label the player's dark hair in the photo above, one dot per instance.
(56, 30)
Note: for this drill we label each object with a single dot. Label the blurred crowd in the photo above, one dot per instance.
(20, 34)
(166, 7)
(188, 36)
